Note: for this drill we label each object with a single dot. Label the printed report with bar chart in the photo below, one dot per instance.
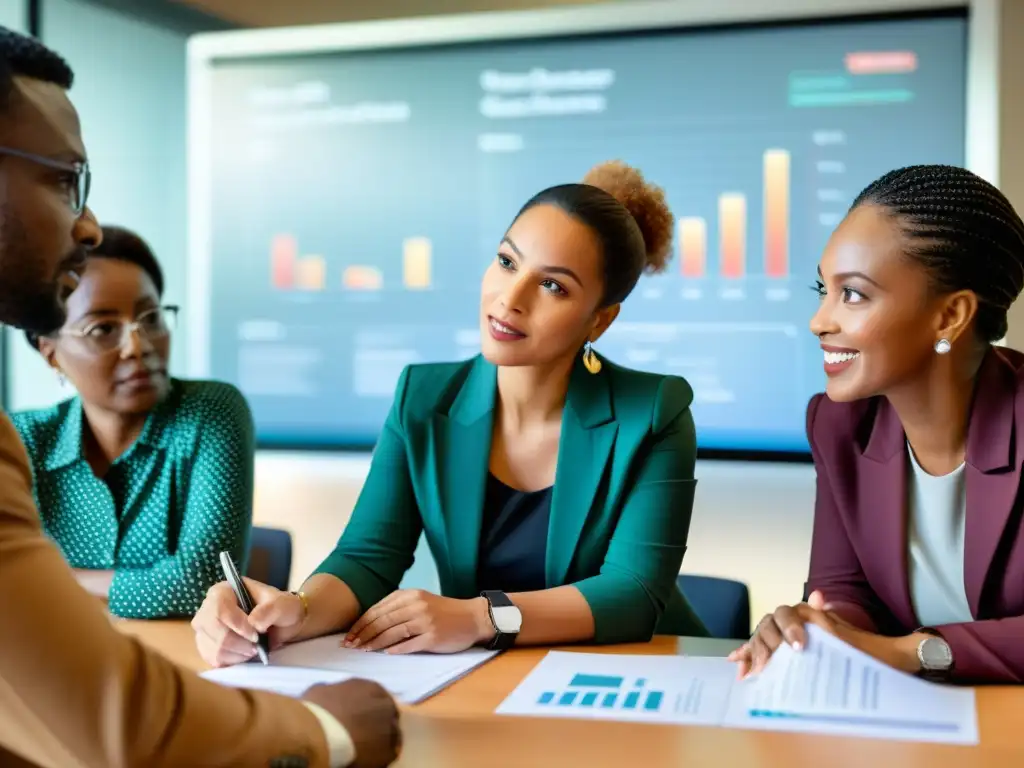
(357, 198)
(829, 687)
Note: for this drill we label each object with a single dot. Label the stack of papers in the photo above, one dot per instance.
(829, 688)
(295, 668)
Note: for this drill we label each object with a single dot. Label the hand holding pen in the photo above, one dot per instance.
(245, 602)
(227, 634)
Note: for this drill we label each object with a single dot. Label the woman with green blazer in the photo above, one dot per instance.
(555, 488)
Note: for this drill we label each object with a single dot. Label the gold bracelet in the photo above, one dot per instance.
(305, 604)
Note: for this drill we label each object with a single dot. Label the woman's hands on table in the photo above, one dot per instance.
(411, 620)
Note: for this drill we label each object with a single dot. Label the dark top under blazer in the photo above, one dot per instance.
(620, 507)
(859, 549)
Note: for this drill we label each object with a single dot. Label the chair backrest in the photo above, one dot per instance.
(270, 557)
(722, 604)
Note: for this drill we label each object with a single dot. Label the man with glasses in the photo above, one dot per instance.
(73, 690)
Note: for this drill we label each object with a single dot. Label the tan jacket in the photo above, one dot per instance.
(76, 693)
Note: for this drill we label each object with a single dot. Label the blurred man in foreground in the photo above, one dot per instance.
(73, 690)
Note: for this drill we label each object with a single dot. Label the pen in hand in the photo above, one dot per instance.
(245, 602)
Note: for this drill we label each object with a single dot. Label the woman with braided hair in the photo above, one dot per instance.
(917, 555)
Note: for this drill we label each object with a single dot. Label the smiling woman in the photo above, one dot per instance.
(554, 488)
(141, 479)
(917, 556)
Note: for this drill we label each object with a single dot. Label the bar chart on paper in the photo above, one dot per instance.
(606, 692)
(667, 689)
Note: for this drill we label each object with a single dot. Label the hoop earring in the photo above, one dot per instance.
(942, 346)
(590, 360)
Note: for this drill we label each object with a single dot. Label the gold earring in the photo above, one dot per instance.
(590, 360)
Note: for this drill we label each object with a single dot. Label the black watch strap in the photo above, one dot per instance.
(502, 640)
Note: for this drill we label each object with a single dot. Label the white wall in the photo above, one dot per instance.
(130, 92)
(14, 14)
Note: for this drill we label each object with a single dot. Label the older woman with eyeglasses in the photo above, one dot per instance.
(141, 479)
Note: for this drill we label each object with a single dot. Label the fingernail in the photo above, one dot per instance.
(798, 646)
(356, 643)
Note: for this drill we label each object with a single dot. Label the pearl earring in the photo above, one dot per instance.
(942, 346)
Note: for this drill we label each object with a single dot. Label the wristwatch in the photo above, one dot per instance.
(506, 618)
(936, 658)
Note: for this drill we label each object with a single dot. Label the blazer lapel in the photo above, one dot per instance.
(992, 474)
(882, 489)
(462, 441)
(588, 434)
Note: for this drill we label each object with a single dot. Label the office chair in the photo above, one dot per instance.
(722, 604)
(270, 557)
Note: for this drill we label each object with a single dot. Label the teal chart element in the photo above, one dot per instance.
(606, 692)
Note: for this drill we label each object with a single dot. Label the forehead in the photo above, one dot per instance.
(44, 120)
(869, 241)
(548, 235)
(110, 284)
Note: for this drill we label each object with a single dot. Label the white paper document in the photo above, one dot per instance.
(660, 689)
(295, 668)
(828, 688)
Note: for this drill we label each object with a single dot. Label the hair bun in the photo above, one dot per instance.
(645, 201)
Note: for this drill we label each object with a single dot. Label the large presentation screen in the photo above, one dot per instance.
(356, 197)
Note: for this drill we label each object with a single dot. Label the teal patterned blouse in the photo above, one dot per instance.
(166, 508)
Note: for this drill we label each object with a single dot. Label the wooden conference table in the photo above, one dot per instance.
(457, 728)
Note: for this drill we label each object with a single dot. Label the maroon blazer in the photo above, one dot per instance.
(859, 548)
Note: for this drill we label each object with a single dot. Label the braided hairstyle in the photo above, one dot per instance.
(962, 230)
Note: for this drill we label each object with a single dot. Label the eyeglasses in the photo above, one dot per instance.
(81, 179)
(108, 335)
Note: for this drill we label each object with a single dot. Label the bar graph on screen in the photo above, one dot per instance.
(289, 271)
(732, 225)
(292, 271)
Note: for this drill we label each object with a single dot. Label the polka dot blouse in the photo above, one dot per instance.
(167, 506)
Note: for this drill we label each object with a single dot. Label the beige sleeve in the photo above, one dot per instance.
(75, 692)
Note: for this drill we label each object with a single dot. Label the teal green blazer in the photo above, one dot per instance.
(620, 508)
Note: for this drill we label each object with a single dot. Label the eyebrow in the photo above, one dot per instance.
(848, 275)
(549, 269)
(99, 313)
(71, 156)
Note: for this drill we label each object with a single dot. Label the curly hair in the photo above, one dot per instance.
(628, 215)
(962, 230)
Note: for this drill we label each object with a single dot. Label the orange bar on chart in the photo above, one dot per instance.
(416, 259)
(776, 213)
(311, 273)
(360, 277)
(693, 246)
(284, 251)
(732, 233)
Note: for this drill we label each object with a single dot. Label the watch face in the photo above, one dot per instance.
(935, 654)
(507, 619)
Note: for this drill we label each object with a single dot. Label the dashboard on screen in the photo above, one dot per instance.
(357, 197)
